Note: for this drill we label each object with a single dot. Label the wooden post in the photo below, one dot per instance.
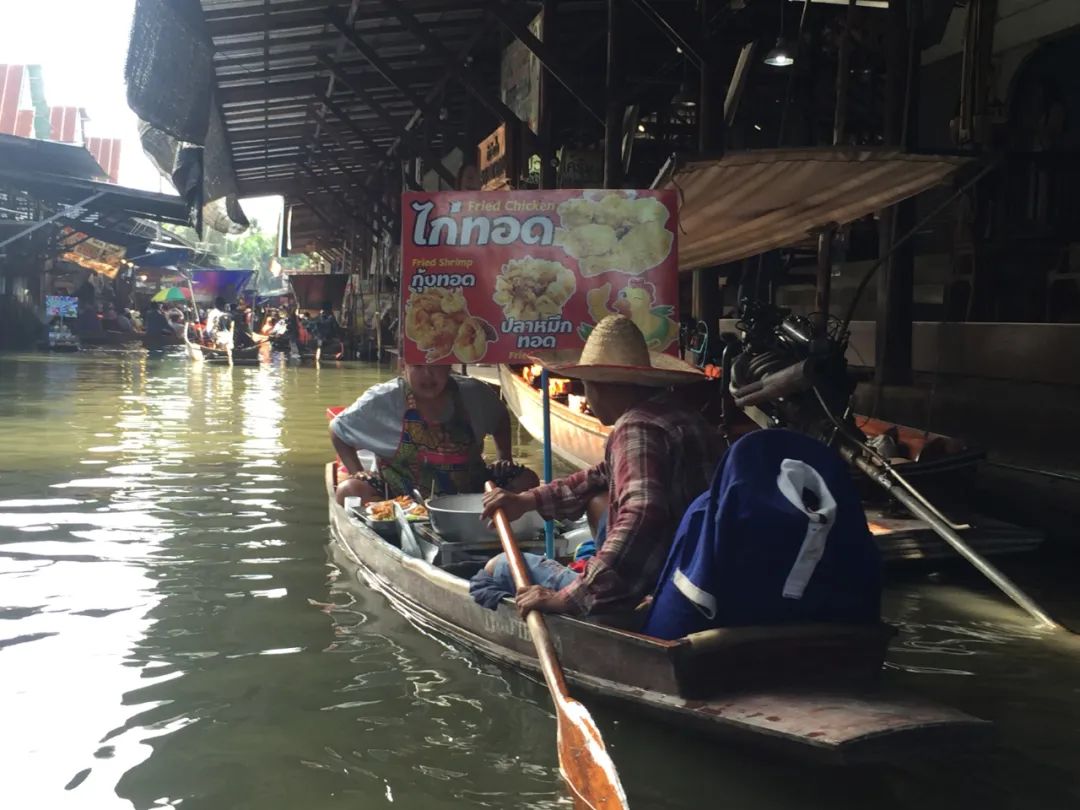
(614, 120)
(823, 290)
(547, 102)
(843, 71)
(896, 281)
(710, 113)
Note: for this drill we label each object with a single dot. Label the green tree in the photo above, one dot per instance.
(254, 250)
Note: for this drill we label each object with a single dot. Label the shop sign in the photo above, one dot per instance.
(580, 168)
(64, 306)
(520, 77)
(493, 277)
(495, 160)
(91, 253)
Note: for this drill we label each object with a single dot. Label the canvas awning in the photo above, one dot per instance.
(217, 282)
(751, 202)
(314, 289)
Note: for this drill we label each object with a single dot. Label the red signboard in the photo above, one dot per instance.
(492, 277)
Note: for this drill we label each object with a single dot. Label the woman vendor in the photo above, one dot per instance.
(426, 429)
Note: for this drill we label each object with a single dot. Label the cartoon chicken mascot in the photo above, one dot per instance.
(635, 301)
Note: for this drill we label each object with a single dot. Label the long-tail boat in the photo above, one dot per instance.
(809, 690)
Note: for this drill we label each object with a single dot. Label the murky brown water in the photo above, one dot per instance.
(172, 634)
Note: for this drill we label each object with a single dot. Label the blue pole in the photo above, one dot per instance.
(549, 526)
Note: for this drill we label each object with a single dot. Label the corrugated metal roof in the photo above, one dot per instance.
(270, 62)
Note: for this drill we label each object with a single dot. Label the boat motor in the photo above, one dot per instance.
(784, 371)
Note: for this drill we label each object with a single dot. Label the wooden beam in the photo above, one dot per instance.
(396, 126)
(309, 200)
(461, 72)
(614, 118)
(547, 56)
(374, 198)
(242, 93)
(343, 116)
(337, 19)
(321, 182)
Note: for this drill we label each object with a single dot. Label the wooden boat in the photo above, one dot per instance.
(248, 356)
(942, 467)
(807, 690)
(161, 341)
(110, 338)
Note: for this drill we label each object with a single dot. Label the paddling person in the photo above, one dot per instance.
(426, 429)
(659, 457)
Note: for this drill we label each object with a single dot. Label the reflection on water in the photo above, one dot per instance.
(172, 633)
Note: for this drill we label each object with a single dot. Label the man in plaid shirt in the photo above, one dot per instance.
(659, 457)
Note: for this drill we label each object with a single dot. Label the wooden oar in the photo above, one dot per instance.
(583, 761)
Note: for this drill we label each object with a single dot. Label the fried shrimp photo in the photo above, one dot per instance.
(614, 231)
(530, 289)
(433, 318)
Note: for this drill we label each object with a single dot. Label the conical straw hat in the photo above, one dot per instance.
(616, 352)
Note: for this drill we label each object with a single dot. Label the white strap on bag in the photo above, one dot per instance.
(796, 477)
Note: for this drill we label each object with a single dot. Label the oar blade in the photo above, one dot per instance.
(588, 770)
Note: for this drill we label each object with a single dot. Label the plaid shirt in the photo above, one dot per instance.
(658, 458)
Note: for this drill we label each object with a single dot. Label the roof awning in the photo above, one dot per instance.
(314, 289)
(751, 202)
(219, 283)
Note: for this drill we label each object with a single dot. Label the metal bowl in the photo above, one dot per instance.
(457, 519)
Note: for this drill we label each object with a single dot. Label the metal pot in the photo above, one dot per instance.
(457, 519)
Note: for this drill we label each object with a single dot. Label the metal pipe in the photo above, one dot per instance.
(885, 475)
(984, 566)
(67, 210)
(549, 525)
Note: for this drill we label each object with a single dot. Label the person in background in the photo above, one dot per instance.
(426, 429)
(108, 319)
(216, 320)
(156, 323)
(241, 330)
(659, 456)
(123, 322)
(327, 331)
(87, 322)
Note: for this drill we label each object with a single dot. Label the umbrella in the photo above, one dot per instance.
(172, 294)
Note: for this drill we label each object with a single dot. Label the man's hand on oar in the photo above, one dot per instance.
(536, 597)
(585, 765)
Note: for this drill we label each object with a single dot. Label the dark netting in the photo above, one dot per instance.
(206, 183)
(169, 70)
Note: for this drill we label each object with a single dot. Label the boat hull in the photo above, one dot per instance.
(110, 338)
(162, 341)
(247, 356)
(677, 680)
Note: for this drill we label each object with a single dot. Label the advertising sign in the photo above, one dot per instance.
(495, 160)
(493, 277)
(521, 76)
(66, 306)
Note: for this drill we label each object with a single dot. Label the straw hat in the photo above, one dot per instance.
(616, 353)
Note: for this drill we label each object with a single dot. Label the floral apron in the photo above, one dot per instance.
(444, 454)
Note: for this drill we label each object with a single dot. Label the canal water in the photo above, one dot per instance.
(175, 633)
